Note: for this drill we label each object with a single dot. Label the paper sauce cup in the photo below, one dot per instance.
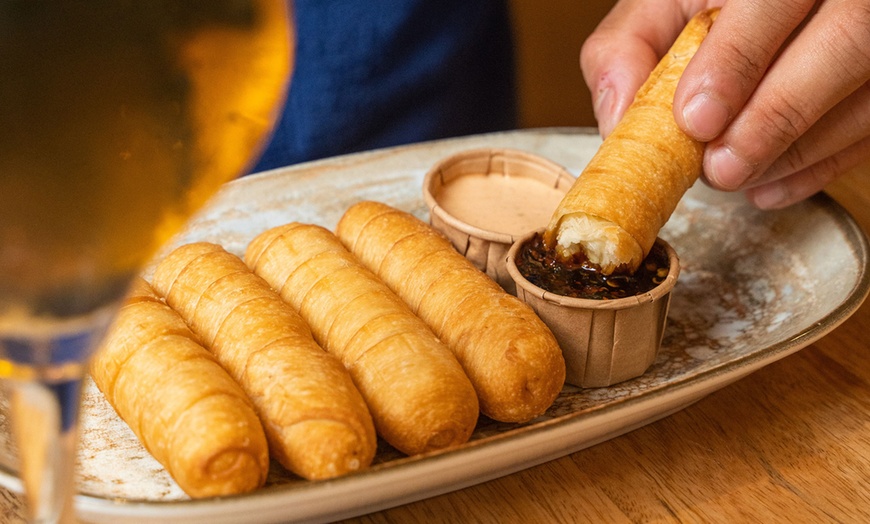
(603, 341)
(486, 247)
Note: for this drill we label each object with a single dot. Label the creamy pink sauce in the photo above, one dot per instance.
(503, 204)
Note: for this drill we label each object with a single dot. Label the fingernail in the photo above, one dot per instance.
(726, 170)
(705, 117)
(769, 196)
(604, 111)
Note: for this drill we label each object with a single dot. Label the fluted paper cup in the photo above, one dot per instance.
(604, 341)
(486, 248)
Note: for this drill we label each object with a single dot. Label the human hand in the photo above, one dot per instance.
(779, 89)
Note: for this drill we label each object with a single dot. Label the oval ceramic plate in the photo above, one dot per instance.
(755, 287)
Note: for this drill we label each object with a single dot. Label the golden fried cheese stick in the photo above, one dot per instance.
(181, 404)
(632, 185)
(316, 421)
(511, 357)
(419, 396)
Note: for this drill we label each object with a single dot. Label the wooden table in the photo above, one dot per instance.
(789, 443)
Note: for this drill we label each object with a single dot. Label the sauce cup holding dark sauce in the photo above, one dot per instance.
(615, 334)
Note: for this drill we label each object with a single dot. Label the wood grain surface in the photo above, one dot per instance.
(789, 443)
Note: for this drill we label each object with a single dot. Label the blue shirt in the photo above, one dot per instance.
(377, 73)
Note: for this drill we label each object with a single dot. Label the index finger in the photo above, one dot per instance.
(625, 47)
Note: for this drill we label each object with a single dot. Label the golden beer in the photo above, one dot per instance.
(118, 120)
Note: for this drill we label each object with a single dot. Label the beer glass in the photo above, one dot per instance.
(118, 120)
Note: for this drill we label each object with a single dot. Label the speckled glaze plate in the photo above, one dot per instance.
(755, 287)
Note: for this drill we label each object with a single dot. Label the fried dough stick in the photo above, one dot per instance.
(630, 188)
(181, 404)
(418, 394)
(511, 357)
(316, 421)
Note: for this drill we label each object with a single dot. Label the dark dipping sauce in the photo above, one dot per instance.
(578, 278)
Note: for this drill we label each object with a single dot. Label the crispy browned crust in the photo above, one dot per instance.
(640, 172)
(181, 404)
(316, 421)
(510, 355)
(418, 394)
